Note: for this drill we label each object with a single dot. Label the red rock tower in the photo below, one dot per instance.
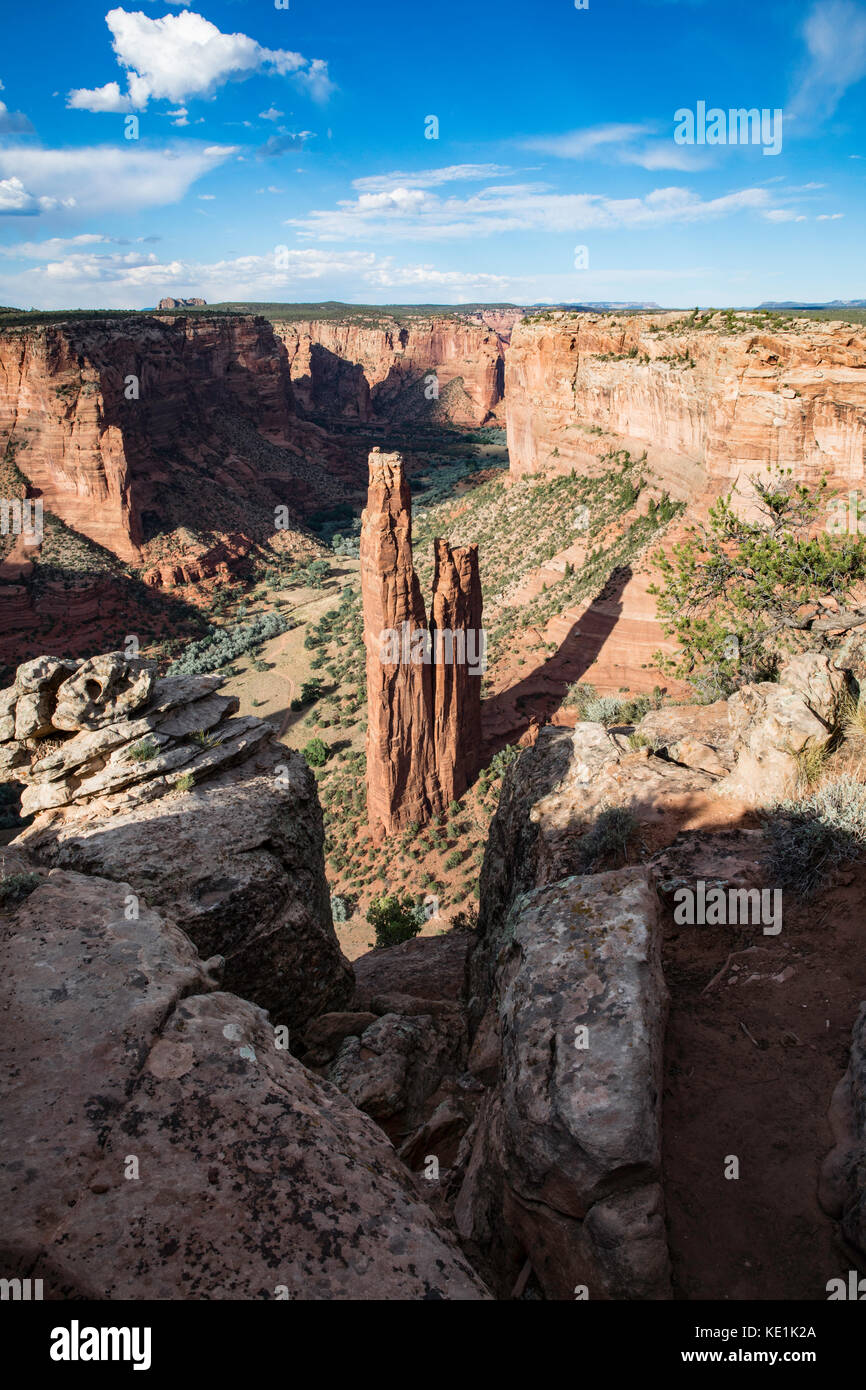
(423, 700)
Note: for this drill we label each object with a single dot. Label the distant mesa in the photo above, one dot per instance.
(183, 303)
(807, 304)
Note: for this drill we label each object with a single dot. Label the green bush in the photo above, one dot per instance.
(613, 709)
(316, 752)
(739, 594)
(501, 761)
(394, 919)
(14, 888)
(310, 692)
(144, 751)
(341, 908)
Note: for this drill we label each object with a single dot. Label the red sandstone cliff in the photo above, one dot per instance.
(381, 371)
(100, 447)
(424, 718)
(455, 608)
(136, 428)
(577, 385)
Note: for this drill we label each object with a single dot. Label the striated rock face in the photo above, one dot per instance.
(456, 608)
(253, 1179)
(101, 457)
(424, 716)
(108, 758)
(382, 371)
(726, 403)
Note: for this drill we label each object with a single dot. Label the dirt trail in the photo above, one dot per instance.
(761, 1095)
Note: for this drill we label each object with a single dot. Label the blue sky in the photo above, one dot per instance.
(282, 153)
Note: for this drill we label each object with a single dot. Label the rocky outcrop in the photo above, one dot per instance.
(154, 783)
(562, 1165)
(175, 1149)
(170, 303)
(774, 726)
(423, 692)
(423, 368)
(704, 402)
(568, 1154)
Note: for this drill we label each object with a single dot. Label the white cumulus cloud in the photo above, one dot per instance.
(178, 57)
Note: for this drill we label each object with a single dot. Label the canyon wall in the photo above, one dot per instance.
(424, 717)
(102, 415)
(381, 371)
(703, 401)
(142, 427)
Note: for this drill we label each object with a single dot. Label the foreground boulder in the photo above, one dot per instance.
(160, 1141)
(551, 802)
(204, 815)
(776, 726)
(403, 1054)
(561, 1169)
(569, 1151)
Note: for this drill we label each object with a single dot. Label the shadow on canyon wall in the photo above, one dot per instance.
(75, 613)
(508, 714)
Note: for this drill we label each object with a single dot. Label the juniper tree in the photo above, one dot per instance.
(740, 593)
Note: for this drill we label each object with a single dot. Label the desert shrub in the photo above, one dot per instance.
(615, 709)
(605, 710)
(739, 594)
(205, 739)
(637, 741)
(314, 574)
(222, 645)
(310, 692)
(608, 838)
(810, 837)
(340, 908)
(453, 859)
(14, 888)
(394, 919)
(501, 761)
(144, 751)
(465, 920)
(579, 695)
(185, 783)
(316, 752)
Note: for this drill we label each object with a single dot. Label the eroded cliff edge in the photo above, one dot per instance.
(708, 397)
